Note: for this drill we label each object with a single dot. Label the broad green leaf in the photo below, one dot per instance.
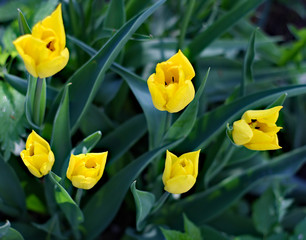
(246, 237)
(216, 199)
(82, 92)
(279, 101)
(4, 228)
(8, 10)
(265, 212)
(12, 234)
(120, 140)
(51, 227)
(60, 141)
(71, 210)
(299, 230)
(175, 235)
(212, 123)
(12, 196)
(210, 233)
(248, 64)
(184, 124)
(12, 119)
(278, 236)
(45, 9)
(115, 15)
(108, 199)
(23, 24)
(191, 229)
(35, 204)
(156, 119)
(144, 202)
(203, 39)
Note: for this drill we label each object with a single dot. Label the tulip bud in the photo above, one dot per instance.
(37, 156)
(180, 173)
(85, 170)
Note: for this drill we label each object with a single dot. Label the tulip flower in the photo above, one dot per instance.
(44, 52)
(257, 130)
(180, 173)
(171, 87)
(85, 170)
(37, 156)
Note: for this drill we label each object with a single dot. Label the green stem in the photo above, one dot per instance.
(185, 23)
(160, 202)
(78, 196)
(37, 99)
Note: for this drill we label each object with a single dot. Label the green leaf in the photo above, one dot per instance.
(23, 24)
(87, 144)
(265, 212)
(108, 199)
(192, 230)
(21, 85)
(12, 198)
(248, 64)
(216, 199)
(82, 92)
(184, 124)
(246, 237)
(115, 15)
(8, 10)
(212, 123)
(12, 234)
(51, 227)
(175, 235)
(71, 210)
(279, 101)
(119, 141)
(211, 233)
(4, 228)
(45, 9)
(12, 119)
(156, 119)
(203, 39)
(39, 106)
(60, 141)
(299, 230)
(144, 202)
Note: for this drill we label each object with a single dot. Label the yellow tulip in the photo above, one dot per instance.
(85, 170)
(171, 87)
(257, 130)
(37, 156)
(44, 52)
(180, 173)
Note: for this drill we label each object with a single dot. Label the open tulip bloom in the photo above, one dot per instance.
(171, 87)
(85, 170)
(37, 156)
(180, 173)
(44, 52)
(257, 129)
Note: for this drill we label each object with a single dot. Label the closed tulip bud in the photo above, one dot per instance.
(37, 156)
(85, 170)
(171, 87)
(44, 52)
(257, 129)
(180, 173)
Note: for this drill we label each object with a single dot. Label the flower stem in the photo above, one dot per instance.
(160, 202)
(78, 196)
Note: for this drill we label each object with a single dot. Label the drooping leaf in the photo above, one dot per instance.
(115, 15)
(51, 227)
(144, 202)
(191, 229)
(175, 235)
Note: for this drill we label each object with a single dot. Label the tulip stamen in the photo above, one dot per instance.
(31, 150)
(50, 46)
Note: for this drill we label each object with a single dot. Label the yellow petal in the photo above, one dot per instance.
(55, 22)
(268, 116)
(263, 141)
(157, 93)
(180, 184)
(71, 166)
(194, 157)
(242, 133)
(180, 60)
(54, 65)
(182, 97)
(86, 183)
(170, 160)
(36, 138)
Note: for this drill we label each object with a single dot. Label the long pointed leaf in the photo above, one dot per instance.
(86, 81)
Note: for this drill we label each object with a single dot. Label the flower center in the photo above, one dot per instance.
(254, 124)
(90, 163)
(50, 46)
